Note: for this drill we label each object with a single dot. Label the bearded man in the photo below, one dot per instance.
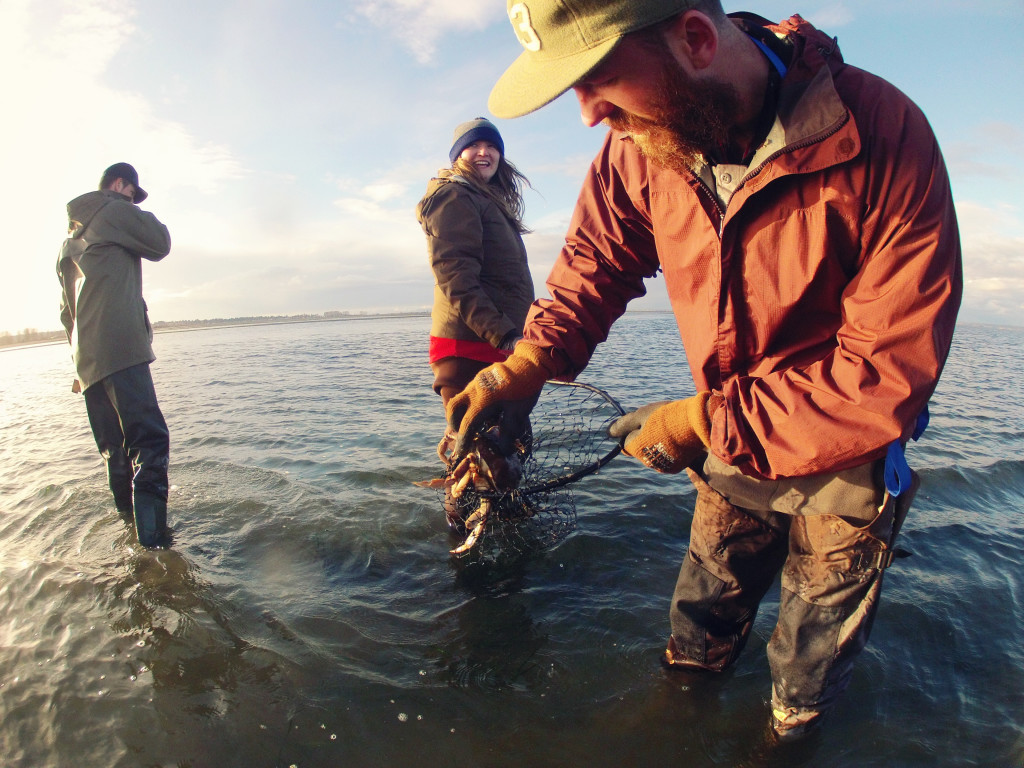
(800, 212)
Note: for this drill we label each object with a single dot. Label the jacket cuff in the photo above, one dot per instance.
(505, 343)
(715, 400)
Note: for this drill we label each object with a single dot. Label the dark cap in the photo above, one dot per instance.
(478, 129)
(129, 174)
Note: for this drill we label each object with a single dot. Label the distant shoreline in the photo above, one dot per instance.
(9, 341)
(206, 325)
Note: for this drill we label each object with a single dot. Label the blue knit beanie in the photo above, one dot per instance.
(479, 129)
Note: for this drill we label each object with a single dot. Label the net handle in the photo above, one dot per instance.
(593, 466)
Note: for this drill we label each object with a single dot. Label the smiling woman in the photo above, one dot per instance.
(472, 214)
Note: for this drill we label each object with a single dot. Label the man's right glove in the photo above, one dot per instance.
(509, 390)
(668, 435)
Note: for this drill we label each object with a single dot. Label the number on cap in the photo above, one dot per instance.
(519, 14)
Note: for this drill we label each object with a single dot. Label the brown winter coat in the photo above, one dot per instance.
(483, 288)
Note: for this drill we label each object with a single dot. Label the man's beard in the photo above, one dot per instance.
(693, 119)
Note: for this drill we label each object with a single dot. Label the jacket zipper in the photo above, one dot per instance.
(702, 185)
(771, 158)
(793, 147)
(798, 145)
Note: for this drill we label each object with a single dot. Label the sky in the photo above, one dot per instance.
(285, 143)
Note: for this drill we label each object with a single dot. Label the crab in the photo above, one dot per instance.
(485, 470)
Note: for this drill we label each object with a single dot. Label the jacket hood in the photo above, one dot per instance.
(444, 176)
(796, 28)
(84, 208)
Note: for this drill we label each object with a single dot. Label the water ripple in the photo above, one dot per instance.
(309, 613)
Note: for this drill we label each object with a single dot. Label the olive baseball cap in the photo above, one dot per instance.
(563, 41)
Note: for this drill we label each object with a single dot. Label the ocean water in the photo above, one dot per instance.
(309, 613)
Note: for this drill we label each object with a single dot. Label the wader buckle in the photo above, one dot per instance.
(878, 561)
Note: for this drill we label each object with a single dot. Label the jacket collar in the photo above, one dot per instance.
(809, 109)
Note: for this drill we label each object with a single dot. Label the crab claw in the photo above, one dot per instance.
(464, 482)
(446, 446)
(480, 517)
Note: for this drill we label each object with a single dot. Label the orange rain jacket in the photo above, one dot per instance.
(821, 302)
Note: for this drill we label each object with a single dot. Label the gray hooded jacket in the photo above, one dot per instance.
(100, 271)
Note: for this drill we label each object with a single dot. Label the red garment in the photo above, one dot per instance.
(473, 350)
(821, 302)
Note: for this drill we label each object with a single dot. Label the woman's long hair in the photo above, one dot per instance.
(505, 188)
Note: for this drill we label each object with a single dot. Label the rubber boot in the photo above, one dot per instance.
(119, 477)
(151, 520)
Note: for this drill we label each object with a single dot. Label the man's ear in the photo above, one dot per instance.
(694, 36)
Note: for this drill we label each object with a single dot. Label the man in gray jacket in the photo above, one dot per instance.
(104, 314)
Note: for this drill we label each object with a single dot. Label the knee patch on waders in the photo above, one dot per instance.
(700, 635)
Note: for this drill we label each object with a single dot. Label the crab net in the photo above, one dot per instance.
(569, 440)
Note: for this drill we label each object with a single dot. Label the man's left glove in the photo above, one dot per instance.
(668, 435)
(509, 390)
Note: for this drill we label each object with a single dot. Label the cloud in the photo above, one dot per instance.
(383, 192)
(831, 16)
(998, 304)
(62, 52)
(840, 14)
(89, 33)
(993, 247)
(984, 226)
(420, 24)
(66, 123)
(572, 167)
(286, 151)
(989, 153)
(323, 277)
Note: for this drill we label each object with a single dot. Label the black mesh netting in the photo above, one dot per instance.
(569, 441)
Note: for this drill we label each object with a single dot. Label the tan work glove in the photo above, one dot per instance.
(668, 435)
(508, 390)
